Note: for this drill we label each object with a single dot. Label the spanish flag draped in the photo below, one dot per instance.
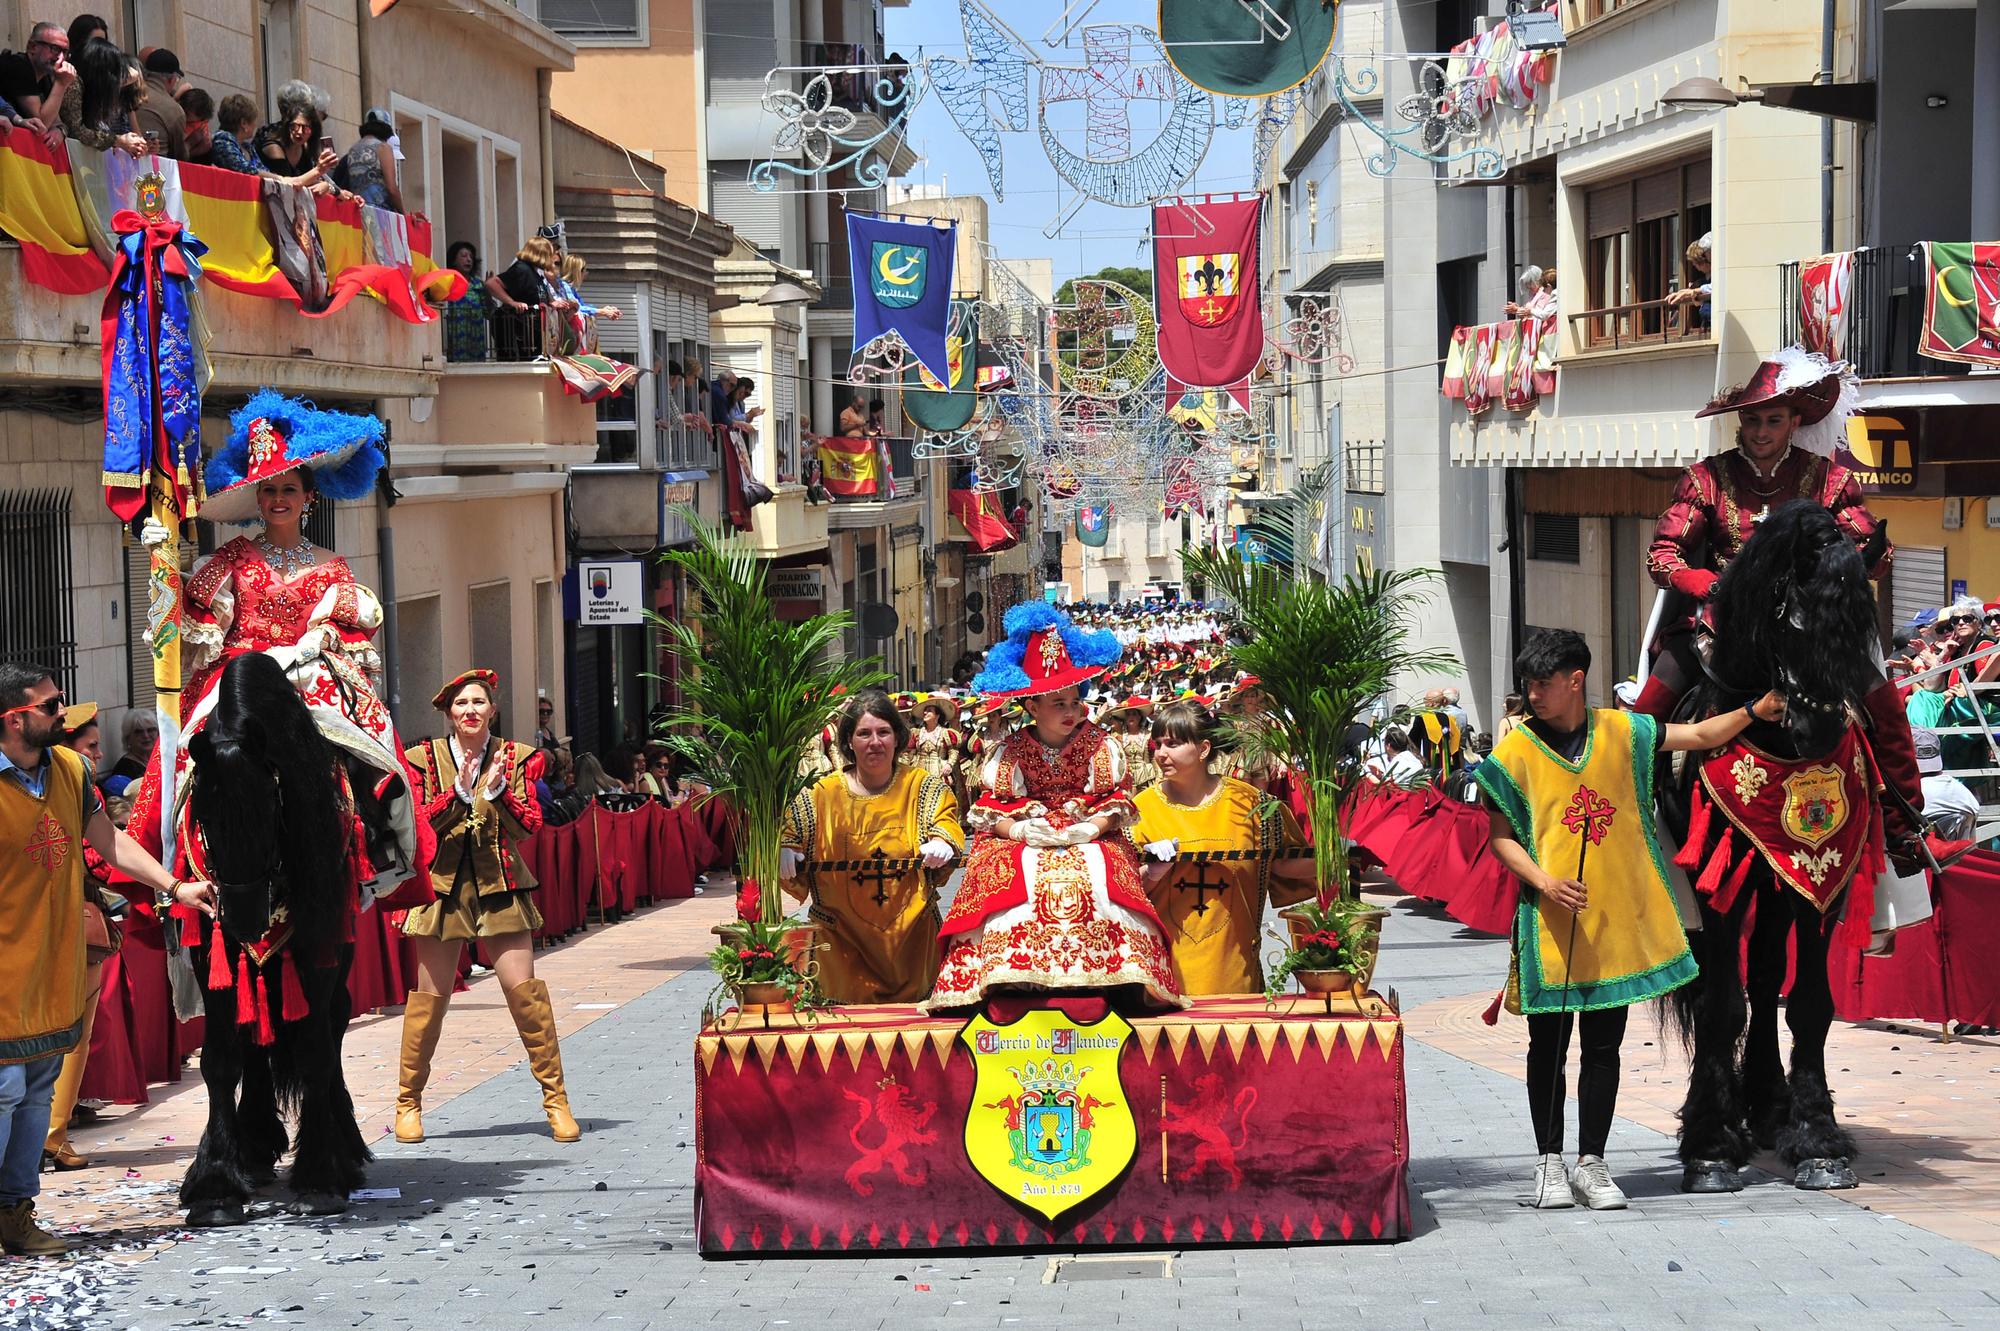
(853, 466)
(59, 204)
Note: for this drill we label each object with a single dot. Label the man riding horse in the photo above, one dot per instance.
(1791, 417)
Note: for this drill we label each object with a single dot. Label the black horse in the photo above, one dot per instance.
(268, 803)
(1793, 612)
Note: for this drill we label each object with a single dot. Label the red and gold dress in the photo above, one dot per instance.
(319, 627)
(1052, 917)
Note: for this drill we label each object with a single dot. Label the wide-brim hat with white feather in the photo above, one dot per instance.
(272, 434)
(1823, 392)
(1044, 652)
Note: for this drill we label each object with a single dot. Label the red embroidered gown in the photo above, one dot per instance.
(1067, 917)
(236, 603)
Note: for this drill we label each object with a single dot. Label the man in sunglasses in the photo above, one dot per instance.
(33, 81)
(48, 809)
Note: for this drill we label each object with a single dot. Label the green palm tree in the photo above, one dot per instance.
(756, 689)
(1322, 653)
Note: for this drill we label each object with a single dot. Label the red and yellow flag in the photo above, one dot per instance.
(853, 466)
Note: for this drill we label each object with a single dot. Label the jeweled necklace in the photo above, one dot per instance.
(287, 560)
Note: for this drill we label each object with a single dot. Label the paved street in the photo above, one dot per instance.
(496, 1224)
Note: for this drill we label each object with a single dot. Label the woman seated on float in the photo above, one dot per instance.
(878, 929)
(1051, 898)
(1214, 910)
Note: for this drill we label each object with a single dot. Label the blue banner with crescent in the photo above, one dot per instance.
(902, 288)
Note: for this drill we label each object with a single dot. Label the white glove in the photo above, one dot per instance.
(936, 853)
(152, 533)
(1018, 829)
(1039, 834)
(1164, 850)
(789, 863)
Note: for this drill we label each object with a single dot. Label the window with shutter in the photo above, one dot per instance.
(1638, 229)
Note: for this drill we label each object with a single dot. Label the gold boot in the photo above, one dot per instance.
(529, 1003)
(423, 1022)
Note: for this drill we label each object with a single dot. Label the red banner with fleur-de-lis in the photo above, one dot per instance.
(1205, 289)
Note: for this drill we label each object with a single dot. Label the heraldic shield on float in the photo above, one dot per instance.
(1049, 1125)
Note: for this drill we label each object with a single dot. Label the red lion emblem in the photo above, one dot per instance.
(1206, 1121)
(903, 1125)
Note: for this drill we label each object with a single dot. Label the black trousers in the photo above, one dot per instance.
(1596, 1082)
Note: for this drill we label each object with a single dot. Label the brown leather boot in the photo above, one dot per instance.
(423, 1022)
(537, 1024)
(21, 1236)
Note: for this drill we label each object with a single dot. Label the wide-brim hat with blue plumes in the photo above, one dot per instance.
(1044, 653)
(272, 434)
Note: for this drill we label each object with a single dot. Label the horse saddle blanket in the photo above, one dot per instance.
(1813, 820)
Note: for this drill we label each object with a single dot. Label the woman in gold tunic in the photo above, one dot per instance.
(1127, 720)
(878, 930)
(478, 792)
(1213, 911)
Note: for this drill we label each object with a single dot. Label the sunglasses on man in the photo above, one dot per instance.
(49, 706)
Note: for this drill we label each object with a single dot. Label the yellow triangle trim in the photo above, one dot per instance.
(943, 1043)
(706, 1048)
(767, 1048)
(738, 1049)
(1386, 1035)
(854, 1042)
(1238, 1033)
(1296, 1035)
(795, 1049)
(1264, 1035)
(1149, 1038)
(1206, 1035)
(827, 1045)
(885, 1046)
(913, 1043)
(1177, 1038)
(1326, 1036)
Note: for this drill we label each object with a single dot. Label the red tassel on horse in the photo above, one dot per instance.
(295, 1008)
(246, 998)
(1727, 896)
(1718, 862)
(265, 1034)
(1689, 854)
(218, 959)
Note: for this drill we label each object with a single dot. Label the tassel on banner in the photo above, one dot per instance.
(246, 1003)
(218, 959)
(1718, 861)
(1699, 812)
(265, 1034)
(1491, 1016)
(295, 1008)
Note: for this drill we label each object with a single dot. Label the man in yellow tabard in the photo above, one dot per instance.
(1571, 800)
(48, 810)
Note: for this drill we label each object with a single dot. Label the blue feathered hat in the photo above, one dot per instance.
(1043, 653)
(273, 434)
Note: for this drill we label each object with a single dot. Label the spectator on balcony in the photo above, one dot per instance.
(159, 116)
(721, 396)
(878, 417)
(465, 319)
(199, 108)
(33, 82)
(286, 146)
(87, 28)
(854, 418)
(1700, 295)
(574, 269)
(520, 291)
(741, 414)
(235, 122)
(1538, 294)
(98, 108)
(369, 168)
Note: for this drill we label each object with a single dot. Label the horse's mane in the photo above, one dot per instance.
(264, 793)
(1794, 611)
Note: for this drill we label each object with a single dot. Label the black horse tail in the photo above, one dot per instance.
(266, 799)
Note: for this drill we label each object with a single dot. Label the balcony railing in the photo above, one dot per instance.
(836, 280)
(1641, 323)
(1885, 315)
(534, 333)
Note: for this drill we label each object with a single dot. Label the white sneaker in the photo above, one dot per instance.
(1551, 1191)
(1592, 1186)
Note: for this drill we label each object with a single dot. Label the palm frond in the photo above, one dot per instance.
(1322, 653)
(755, 690)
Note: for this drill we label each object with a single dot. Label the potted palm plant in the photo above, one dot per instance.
(1322, 653)
(755, 690)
